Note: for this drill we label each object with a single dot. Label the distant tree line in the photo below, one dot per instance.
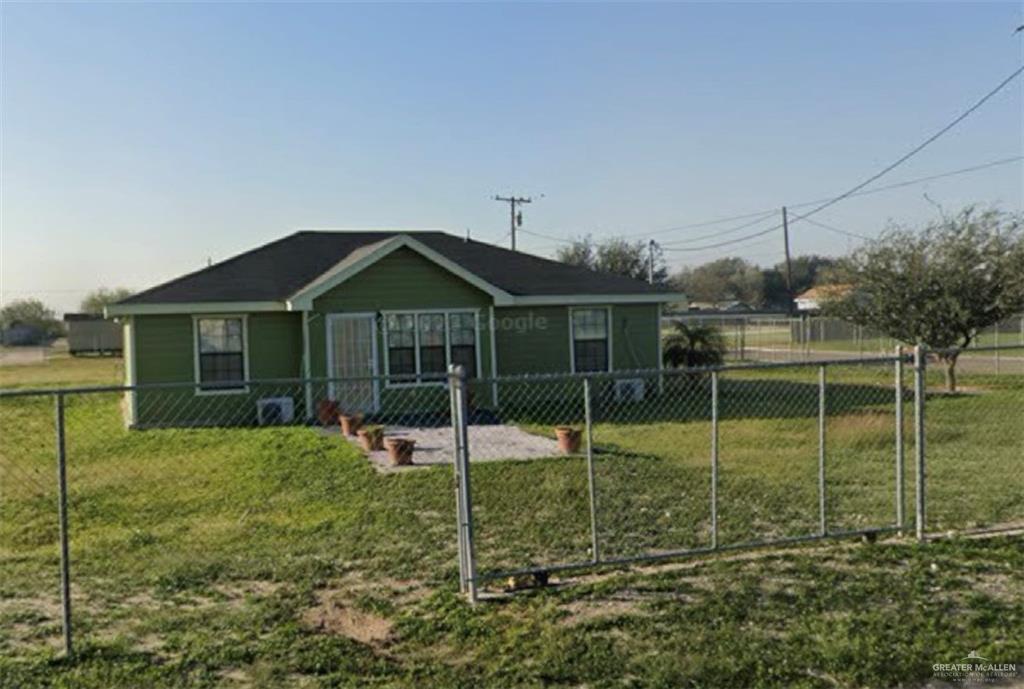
(725, 279)
(939, 286)
(43, 322)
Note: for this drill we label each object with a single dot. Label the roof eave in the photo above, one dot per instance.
(573, 299)
(172, 308)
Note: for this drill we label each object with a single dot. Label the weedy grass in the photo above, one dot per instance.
(247, 557)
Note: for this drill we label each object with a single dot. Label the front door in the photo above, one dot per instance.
(352, 360)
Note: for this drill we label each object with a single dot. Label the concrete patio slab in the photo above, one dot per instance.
(435, 446)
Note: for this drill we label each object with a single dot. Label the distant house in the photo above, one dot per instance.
(19, 334)
(811, 301)
(91, 333)
(729, 306)
(350, 304)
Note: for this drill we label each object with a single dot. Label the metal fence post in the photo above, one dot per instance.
(464, 482)
(822, 516)
(900, 497)
(62, 515)
(456, 465)
(920, 369)
(591, 484)
(714, 459)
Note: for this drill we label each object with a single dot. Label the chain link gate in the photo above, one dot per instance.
(661, 469)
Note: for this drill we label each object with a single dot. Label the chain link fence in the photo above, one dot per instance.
(119, 503)
(646, 465)
(177, 500)
(761, 337)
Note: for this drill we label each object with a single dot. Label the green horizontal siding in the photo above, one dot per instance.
(164, 353)
(635, 334)
(403, 280)
(536, 340)
(532, 339)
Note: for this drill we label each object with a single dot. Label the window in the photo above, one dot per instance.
(424, 344)
(433, 359)
(220, 353)
(590, 340)
(401, 334)
(462, 328)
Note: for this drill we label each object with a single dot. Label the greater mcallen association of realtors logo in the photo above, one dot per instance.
(975, 668)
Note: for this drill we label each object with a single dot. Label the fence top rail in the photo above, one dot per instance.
(672, 372)
(426, 379)
(970, 350)
(441, 379)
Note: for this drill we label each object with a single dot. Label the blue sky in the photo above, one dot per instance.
(139, 140)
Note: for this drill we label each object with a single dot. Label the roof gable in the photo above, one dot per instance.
(361, 259)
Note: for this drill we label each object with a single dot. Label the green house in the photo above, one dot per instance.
(380, 314)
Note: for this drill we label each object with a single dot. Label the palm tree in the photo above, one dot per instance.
(694, 345)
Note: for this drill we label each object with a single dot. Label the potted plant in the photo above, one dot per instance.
(350, 423)
(400, 450)
(326, 412)
(371, 438)
(568, 439)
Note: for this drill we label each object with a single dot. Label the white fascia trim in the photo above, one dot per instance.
(597, 299)
(303, 299)
(191, 308)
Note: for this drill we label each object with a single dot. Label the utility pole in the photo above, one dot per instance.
(650, 261)
(789, 262)
(515, 218)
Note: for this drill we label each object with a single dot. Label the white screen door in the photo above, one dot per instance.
(352, 353)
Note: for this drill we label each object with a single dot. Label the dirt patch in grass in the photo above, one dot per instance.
(583, 611)
(44, 606)
(333, 614)
(236, 677)
(255, 588)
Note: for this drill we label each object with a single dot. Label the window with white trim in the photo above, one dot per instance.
(401, 336)
(462, 328)
(220, 351)
(424, 344)
(432, 344)
(590, 351)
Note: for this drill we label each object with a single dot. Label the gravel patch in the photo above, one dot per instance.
(435, 446)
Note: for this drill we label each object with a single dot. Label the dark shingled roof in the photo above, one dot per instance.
(276, 271)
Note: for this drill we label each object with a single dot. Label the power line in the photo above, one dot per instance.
(832, 228)
(705, 223)
(561, 240)
(761, 218)
(763, 214)
(919, 180)
(888, 168)
(917, 149)
(878, 175)
(729, 242)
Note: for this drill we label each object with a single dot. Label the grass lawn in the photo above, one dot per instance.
(62, 369)
(278, 557)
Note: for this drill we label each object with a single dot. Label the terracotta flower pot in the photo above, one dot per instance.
(372, 438)
(327, 412)
(400, 450)
(350, 423)
(568, 439)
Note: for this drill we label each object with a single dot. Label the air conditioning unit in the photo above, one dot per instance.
(274, 411)
(629, 390)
